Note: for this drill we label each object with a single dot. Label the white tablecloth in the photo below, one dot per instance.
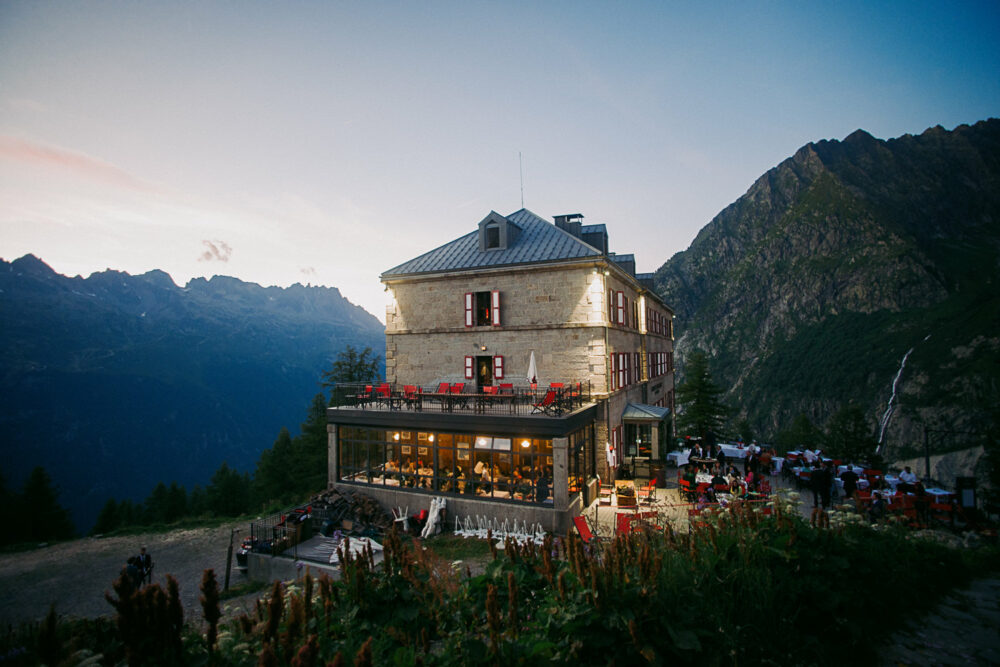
(679, 458)
(733, 451)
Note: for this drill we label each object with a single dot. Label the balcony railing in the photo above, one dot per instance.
(503, 399)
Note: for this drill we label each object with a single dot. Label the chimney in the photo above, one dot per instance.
(571, 223)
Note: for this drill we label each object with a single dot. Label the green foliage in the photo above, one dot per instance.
(701, 598)
(848, 435)
(229, 492)
(35, 514)
(702, 412)
(802, 433)
(352, 365)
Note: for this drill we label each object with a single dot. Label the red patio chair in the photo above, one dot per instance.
(506, 387)
(583, 528)
(546, 405)
(490, 390)
(646, 493)
(458, 388)
(443, 388)
(624, 523)
(555, 385)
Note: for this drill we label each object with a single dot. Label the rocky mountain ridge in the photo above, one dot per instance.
(808, 291)
(115, 382)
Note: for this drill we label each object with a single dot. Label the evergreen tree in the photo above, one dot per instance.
(353, 366)
(703, 413)
(273, 479)
(745, 431)
(311, 450)
(802, 433)
(177, 503)
(155, 507)
(48, 519)
(229, 492)
(108, 520)
(848, 436)
(198, 501)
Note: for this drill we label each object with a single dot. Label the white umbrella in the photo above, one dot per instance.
(532, 369)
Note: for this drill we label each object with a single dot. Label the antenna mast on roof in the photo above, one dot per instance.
(520, 166)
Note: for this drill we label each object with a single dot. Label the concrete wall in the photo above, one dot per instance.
(264, 567)
(552, 519)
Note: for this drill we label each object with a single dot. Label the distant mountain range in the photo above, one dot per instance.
(116, 382)
(810, 290)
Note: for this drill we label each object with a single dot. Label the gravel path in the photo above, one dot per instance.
(75, 575)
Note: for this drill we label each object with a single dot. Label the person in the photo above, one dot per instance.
(850, 479)
(921, 503)
(145, 564)
(877, 511)
(907, 479)
(764, 462)
(819, 482)
(132, 571)
(721, 457)
(719, 479)
(695, 451)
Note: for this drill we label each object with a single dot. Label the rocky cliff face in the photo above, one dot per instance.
(808, 291)
(116, 382)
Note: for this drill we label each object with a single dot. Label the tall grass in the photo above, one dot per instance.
(744, 589)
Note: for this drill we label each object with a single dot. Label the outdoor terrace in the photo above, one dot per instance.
(462, 398)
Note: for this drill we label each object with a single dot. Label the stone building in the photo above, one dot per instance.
(464, 413)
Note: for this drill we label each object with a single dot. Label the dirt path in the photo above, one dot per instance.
(75, 575)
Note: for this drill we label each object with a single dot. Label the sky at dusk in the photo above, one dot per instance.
(325, 142)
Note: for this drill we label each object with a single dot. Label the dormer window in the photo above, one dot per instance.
(496, 232)
(492, 236)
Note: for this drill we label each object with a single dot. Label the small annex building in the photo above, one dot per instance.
(516, 356)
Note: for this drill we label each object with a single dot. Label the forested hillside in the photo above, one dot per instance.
(808, 291)
(115, 382)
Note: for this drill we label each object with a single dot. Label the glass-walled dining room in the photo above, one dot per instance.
(485, 466)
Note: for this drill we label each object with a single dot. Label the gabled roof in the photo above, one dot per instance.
(538, 241)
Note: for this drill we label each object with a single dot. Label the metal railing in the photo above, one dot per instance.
(518, 400)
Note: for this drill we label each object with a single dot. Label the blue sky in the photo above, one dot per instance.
(326, 142)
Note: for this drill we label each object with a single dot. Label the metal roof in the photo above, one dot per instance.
(538, 241)
(643, 412)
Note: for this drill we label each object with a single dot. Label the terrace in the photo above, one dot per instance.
(502, 399)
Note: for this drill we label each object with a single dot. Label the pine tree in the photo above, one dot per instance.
(229, 492)
(703, 413)
(47, 520)
(353, 366)
(273, 481)
(311, 450)
(155, 507)
(848, 436)
(109, 518)
(177, 503)
(802, 433)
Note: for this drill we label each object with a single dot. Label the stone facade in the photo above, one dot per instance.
(586, 319)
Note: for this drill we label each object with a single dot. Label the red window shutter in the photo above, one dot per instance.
(497, 366)
(470, 368)
(470, 309)
(620, 318)
(496, 308)
(614, 371)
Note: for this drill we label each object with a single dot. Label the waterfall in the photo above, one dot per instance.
(887, 416)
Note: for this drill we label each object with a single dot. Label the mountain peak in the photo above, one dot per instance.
(859, 136)
(31, 265)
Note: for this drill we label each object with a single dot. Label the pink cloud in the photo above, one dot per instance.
(27, 152)
(215, 251)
